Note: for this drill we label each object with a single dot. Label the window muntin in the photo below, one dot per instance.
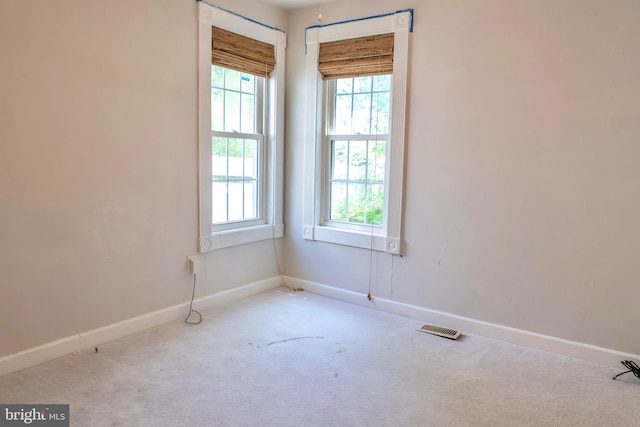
(360, 105)
(357, 137)
(237, 147)
(235, 99)
(235, 180)
(356, 182)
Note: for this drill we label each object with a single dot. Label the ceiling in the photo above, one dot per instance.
(293, 4)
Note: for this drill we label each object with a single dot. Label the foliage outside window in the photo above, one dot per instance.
(358, 135)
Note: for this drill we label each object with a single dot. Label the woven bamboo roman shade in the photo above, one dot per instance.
(240, 53)
(363, 56)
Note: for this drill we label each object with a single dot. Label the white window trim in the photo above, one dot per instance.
(388, 238)
(272, 226)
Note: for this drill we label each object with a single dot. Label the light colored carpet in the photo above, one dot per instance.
(284, 358)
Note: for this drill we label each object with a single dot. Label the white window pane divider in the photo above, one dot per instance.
(237, 135)
(359, 137)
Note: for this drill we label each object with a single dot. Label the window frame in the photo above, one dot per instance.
(271, 225)
(388, 237)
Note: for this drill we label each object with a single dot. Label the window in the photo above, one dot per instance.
(236, 130)
(241, 128)
(356, 138)
(356, 82)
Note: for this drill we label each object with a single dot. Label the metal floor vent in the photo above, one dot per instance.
(441, 332)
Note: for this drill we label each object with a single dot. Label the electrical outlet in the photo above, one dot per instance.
(194, 264)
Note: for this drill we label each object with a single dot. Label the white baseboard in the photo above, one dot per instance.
(62, 347)
(522, 337)
(53, 350)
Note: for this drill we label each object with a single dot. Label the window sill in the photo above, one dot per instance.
(359, 239)
(240, 236)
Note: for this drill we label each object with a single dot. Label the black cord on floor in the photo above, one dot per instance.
(632, 366)
(191, 310)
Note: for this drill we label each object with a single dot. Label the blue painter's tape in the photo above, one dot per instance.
(411, 13)
(367, 18)
(241, 16)
(359, 19)
(245, 78)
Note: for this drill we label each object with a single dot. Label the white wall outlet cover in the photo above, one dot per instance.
(194, 264)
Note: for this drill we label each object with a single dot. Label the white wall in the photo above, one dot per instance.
(98, 166)
(522, 197)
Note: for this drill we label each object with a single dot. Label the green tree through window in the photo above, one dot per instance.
(358, 134)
